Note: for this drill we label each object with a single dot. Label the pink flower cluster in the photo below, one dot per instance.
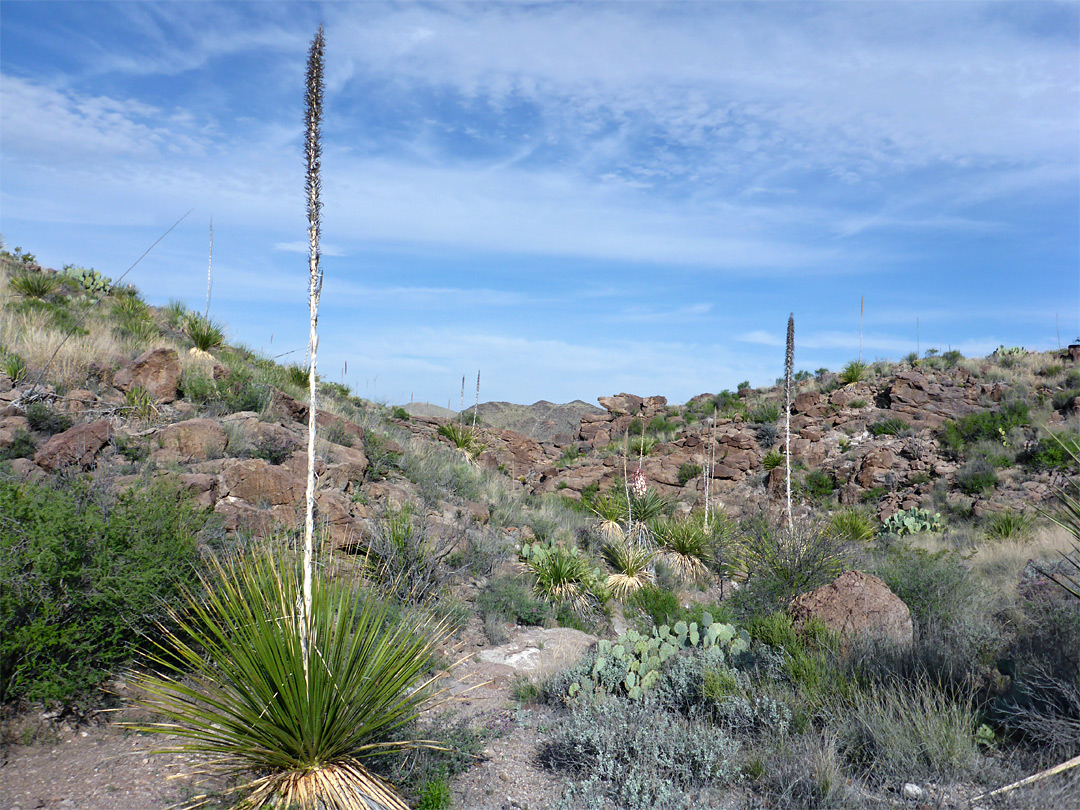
(638, 485)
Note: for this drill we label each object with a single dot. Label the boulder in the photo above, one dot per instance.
(193, 440)
(856, 603)
(79, 445)
(263, 484)
(158, 371)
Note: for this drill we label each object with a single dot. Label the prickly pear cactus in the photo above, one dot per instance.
(632, 664)
(92, 282)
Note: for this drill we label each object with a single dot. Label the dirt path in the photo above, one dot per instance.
(101, 767)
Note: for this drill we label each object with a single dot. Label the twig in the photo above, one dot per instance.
(1027, 780)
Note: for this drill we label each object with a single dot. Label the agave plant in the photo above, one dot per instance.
(34, 283)
(232, 684)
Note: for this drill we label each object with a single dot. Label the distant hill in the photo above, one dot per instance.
(540, 421)
(427, 409)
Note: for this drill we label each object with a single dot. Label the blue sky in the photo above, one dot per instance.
(576, 199)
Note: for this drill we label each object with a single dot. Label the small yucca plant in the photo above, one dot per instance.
(563, 575)
(854, 372)
(34, 283)
(851, 525)
(632, 564)
(233, 684)
(463, 438)
(685, 545)
(205, 333)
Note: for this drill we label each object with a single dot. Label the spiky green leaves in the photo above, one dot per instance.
(234, 686)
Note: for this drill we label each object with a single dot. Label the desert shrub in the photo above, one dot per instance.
(337, 433)
(781, 562)
(236, 391)
(765, 413)
(688, 472)
(976, 476)
(1055, 452)
(400, 413)
(772, 460)
(22, 446)
(662, 425)
(512, 599)
(818, 485)
(766, 434)
(86, 579)
(637, 755)
(934, 586)
(851, 525)
(1065, 400)
(957, 435)
(44, 419)
(274, 448)
(410, 562)
(890, 427)
(423, 774)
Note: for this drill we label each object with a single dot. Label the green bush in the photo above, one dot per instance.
(511, 599)
(1054, 452)
(86, 579)
(976, 476)
(818, 485)
(890, 427)
(22, 446)
(994, 425)
(44, 419)
(688, 472)
(400, 413)
(772, 460)
(765, 413)
(934, 586)
(781, 562)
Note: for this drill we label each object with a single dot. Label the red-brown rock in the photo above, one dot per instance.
(261, 483)
(76, 446)
(857, 604)
(193, 440)
(158, 371)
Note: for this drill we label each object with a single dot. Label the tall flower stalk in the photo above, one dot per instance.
(789, 362)
(313, 99)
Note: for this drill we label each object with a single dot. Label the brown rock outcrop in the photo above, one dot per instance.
(79, 445)
(857, 604)
(260, 483)
(193, 440)
(158, 371)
